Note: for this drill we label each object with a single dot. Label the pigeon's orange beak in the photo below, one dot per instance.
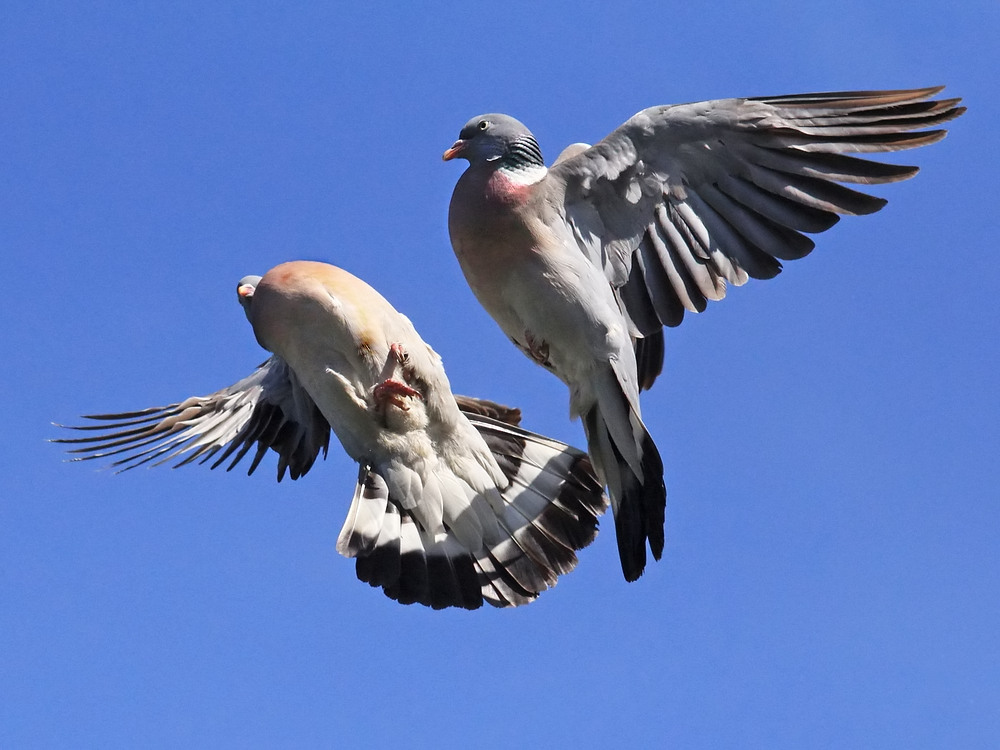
(455, 150)
(245, 291)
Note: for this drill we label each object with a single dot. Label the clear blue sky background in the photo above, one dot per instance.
(831, 577)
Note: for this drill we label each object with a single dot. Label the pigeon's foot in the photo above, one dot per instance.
(394, 392)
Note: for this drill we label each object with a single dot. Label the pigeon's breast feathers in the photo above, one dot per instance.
(344, 317)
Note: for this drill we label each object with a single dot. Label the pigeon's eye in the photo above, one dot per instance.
(483, 124)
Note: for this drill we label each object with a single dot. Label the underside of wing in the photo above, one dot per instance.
(681, 201)
(268, 410)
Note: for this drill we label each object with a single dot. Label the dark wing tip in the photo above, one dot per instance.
(480, 407)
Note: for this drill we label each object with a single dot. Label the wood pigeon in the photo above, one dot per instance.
(455, 503)
(582, 263)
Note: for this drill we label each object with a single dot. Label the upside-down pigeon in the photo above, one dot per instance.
(454, 504)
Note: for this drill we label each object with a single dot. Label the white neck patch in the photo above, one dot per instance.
(525, 175)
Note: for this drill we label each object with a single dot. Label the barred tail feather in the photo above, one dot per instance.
(548, 510)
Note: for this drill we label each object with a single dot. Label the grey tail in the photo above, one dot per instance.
(638, 501)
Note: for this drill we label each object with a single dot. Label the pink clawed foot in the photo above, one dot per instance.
(393, 392)
(397, 351)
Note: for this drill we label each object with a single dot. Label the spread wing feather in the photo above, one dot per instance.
(681, 200)
(267, 410)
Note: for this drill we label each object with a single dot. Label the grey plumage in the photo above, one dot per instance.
(701, 195)
(582, 264)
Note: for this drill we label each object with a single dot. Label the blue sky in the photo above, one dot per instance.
(831, 576)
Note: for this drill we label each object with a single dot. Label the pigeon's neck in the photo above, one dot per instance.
(522, 162)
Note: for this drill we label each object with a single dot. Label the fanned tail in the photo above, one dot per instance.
(505, 549)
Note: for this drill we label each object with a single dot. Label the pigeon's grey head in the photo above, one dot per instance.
(496, 137)
(244, 290)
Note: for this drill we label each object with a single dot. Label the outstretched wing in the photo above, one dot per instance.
(681, 200)
(269, 409)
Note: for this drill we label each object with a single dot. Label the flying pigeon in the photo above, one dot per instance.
(583, 262)
(455, 503)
